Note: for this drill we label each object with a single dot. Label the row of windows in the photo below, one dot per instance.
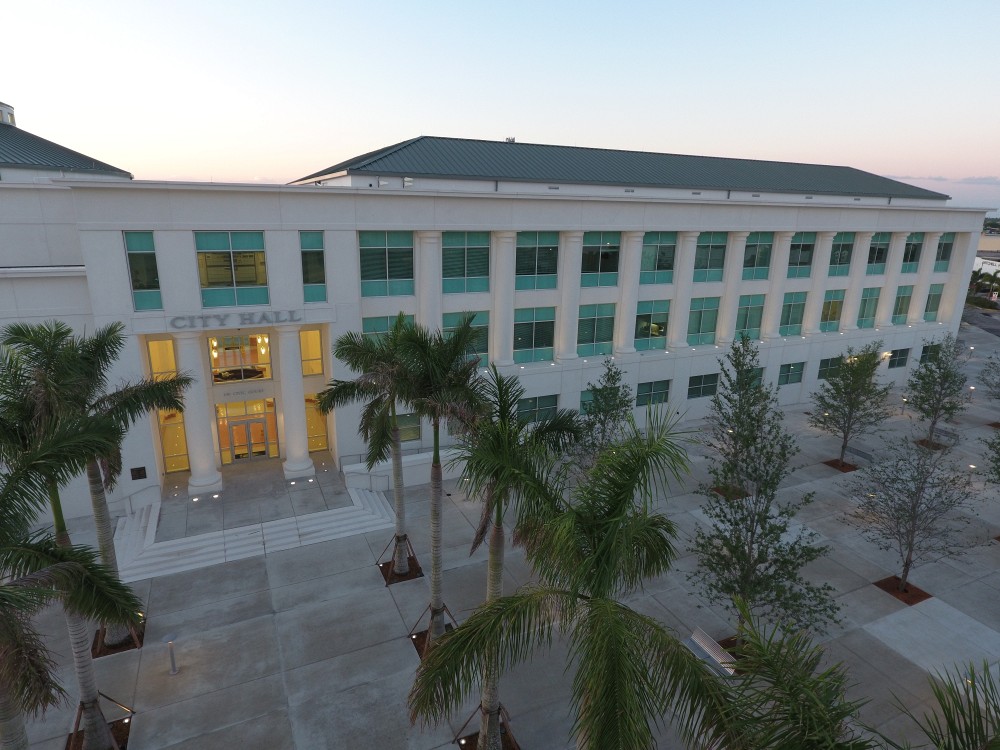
(232, 269)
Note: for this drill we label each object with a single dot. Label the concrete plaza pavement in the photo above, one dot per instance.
(306, 648)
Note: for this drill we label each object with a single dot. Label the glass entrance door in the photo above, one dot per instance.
(248, 439)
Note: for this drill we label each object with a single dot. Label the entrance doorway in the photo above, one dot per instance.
(248, 430)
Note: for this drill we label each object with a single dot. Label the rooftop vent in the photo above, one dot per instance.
(6, 114)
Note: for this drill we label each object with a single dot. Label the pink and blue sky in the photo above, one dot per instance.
(257, 91)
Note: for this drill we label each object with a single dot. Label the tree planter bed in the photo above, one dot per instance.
(390, 576)
(911, 596)
(99, 648)
(841, 466)
(119, 730)
(419, 639)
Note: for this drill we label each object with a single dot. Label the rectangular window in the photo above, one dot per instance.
(465, 262)
(901, 307)
(933, 302)
(480, 327)
(898, 358)
(791, 373)
(700, 386)
(929, 351)
(586, 399)
(792, 309)
(409, 427)
(231, 268)
(651, 321)
(311, 346)
(800, 255)
(313, 266)
(600, 258)
(702, 320)
(840, 253)
(829, 367)
(537, 407)
(236, 358)
(173, 437)
(386, 263)
(595, 329)
(943, 257)
(710, 256)
(869, 304)
(658, 250)
(749, 315)
(757, 255)
(379, 325)
(878, 251)
(911, 252)
(142, 271)
(534, 334)
(536, 260)
(833, 306)
(654, 392)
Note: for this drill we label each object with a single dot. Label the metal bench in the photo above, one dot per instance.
(860, 453)
(701, 645)
(944, 432)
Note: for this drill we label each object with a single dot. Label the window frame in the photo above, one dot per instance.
(603, 251)
(471, 251)
(539, 327)
(793, 309)
(707, 309)
(659, 254)
(651, 313)
(800, 255)
(141, 259)
(757, 256)
(710, 256)
(868, 301)
(534, 243)
(898, 358)
(878, 253)
(239, 291)
(652, 392)
(832, 311)
(750, 315)
(901, 304)
(791, 373)
(838, 251)
(703, 386)
(396, 258)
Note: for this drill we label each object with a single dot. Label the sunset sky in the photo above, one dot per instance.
(269, 92)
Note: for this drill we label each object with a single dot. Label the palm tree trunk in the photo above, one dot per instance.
(58, 522)
(436, 627)
(401, 553)
(12, 733)
(115, 634)
(489, 730)
(97, 735)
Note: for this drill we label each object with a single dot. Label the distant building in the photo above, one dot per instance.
(565, 256)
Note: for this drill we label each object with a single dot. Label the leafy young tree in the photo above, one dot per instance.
(55, 355)
(604, 415)
(443, 384)
(748, 552)
(380, 385)
(937, 387)
(851, 402)
(909, 501)
(990, 376)
(591, 547)
(503, 455)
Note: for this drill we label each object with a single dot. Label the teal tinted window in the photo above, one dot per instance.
(833, 306)
(386, 263)
(898, 358)
(652, 317)
(536, 260)
(791, 373)
(901, 307)
(757, 255)
(379, 325)
(792, 310)
(911, 252)
(653, 392)
(800, 254)
(943, 256)
(878, 252)
(465, 262)
(595, 329)
(702, 320)
(829, 367)
(480, 327)
(934, 294)
(701, 386)
(534, 334)
(749, 315)
(840, 253)
(313, 266)
(537, 407)
(710, 256)
(869, 304)
(143, 274)
(599, 266)
(232, 268)
(658, 254)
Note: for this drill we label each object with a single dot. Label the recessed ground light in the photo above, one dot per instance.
(972, 466)
(293, 481)
(194, 499)
(215, 497)
(312, 480)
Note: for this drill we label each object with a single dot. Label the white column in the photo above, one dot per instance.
(818, 277)
(293, 405)
(629, 265)
(776, 291)
(198, 412)
(963, 256)
(503, 252)
(680, 305)
(427, 278)
(922, 281)
(570, 261)
(732, 276)
(893, 265)
(856, 280)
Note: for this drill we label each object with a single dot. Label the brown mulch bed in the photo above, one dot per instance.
(911, 596)
(730, 493)
(839, 465)
(925, 443)
(993, 424)
(419, 638)
(119, 730)
(99, 648)
(390, 577)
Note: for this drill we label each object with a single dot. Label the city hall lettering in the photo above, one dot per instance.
(222, 320)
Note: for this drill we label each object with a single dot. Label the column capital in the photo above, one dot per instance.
(188, 335)
(826, 235)
(288, 328)
(738, 235)
(572, 234)
(505, 234)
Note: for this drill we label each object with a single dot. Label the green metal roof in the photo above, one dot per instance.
(20, 149)
(464, 159)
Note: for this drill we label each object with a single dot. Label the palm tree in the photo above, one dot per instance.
(591, 546)
(502, 454)
(37, 570)
(380, 384)
(967, 710)
(53, 354)
(443, 384)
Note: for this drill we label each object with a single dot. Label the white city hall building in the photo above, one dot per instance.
(565, 255)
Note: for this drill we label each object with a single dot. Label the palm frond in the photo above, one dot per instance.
(26, 668)
(967, 710)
